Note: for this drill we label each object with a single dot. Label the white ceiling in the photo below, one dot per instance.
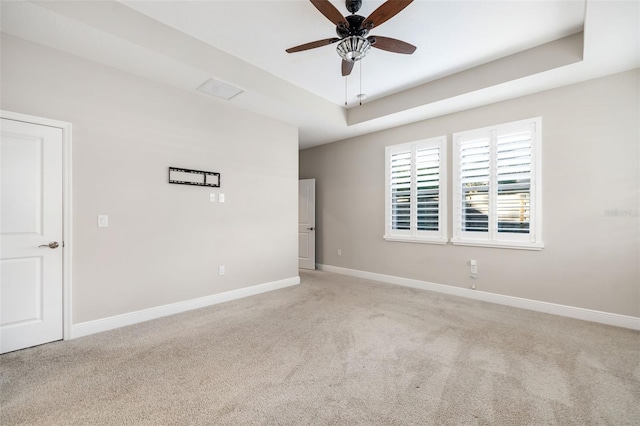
(450, 35)
(182, 44)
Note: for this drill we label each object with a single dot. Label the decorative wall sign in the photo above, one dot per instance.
(193, 177)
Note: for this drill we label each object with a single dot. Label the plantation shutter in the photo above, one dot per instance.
(513, 171)
(416, 191)
(401, 170)
(497, 183)
(475, 178)
(428, 188)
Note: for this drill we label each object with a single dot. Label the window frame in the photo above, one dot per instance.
(414, 235)
(529, 241)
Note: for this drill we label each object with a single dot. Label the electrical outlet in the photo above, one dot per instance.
(221, 270)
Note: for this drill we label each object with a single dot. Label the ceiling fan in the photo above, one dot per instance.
(353, 31)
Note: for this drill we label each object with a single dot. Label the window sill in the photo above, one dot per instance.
(514, 245)
(419, 240)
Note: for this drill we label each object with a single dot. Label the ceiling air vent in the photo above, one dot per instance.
(218, 88)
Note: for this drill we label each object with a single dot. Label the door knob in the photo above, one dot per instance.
(53, 244)
(310, 229)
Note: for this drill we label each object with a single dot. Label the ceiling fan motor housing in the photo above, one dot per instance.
(355, 27)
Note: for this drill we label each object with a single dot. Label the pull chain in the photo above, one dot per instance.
(360, 95)
(345, 90)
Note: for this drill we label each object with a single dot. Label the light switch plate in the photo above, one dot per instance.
(212, 197)
(103, 221)
(221, 198)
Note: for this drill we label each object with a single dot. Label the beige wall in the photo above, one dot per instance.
(591, 163)
(164, 242)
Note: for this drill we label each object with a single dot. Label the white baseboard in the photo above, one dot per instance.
(517, 302)
(117, 321)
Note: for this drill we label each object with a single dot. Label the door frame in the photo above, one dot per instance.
(67, 212)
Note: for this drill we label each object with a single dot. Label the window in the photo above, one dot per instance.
(497, 187)
(416, 192)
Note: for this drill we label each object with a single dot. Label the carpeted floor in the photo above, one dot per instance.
(333, 350)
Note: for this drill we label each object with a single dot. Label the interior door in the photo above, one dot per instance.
(31, 311)
(307, 223)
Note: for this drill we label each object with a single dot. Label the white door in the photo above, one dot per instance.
(31, 235)
(307, 224)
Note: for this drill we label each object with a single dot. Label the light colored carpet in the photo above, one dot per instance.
(334, 350)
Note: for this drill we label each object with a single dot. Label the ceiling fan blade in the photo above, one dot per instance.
(386, 11)
(392, 45)
(330, 11)
(347, 67)
(312, 45)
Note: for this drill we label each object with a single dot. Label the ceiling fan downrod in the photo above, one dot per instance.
(353, 5)
(354, 25)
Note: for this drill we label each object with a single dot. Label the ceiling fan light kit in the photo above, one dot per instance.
(353, 48)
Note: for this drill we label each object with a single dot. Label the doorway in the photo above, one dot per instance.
(307, 224)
